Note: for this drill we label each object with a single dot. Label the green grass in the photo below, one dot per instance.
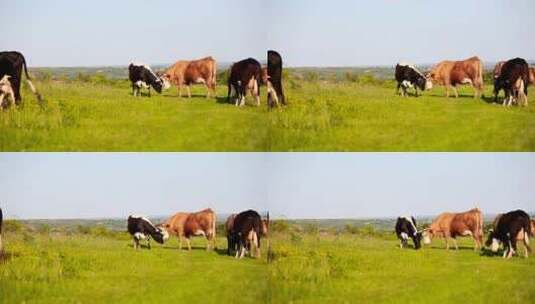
(58, 268)
(322, 116)
(358, 269)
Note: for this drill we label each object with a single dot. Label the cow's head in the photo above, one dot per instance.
(427, 235)
(265, 227)
(492, 241)
(265, 77)
(424, 83)
(161, 234)
(165, 79)
(417, 240)
(5, 80)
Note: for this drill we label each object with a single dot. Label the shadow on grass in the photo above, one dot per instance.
(6, 256)
(452, 248)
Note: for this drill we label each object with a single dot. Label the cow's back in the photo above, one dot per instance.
(203, 220)
(203, 68)
(466, 221)
(175, 224)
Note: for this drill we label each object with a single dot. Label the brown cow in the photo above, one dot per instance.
(451, 225)
(185, 224)
(185, 72)
(532, 75)
(453, 73)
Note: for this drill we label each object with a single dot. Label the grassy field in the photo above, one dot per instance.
(76, 268)
(345, 268)
(322, 116)
(312, 263)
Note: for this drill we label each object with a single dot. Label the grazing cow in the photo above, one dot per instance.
(514, 80)
(510, 227)
(11, 64)
(142, 76)
(247, 231)
(190, 72)
(232, 243)
(453, 73)
(408, 76)
(274, 71)
(451, 225)
(141, 228)
(405, 229)
(1, 220)
(6, 91)
(498, 69)
(186, 225)
(244, 75)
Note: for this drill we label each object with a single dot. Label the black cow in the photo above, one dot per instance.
(246, 232)
(275, 76)
(12, 63)
(141, 228)
(408, 76)
(513, 80)
(405, 229)
(142, 76)
(510, 227)
(244, 75)
(1, 220)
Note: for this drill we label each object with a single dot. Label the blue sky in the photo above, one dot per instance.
(306, 32)
(292, 185)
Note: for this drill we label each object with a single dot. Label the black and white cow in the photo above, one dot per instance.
(141, 228)
(11, 64)
(1, 220)
(274, 70)
(142, 76)
(510, 227)
(405, 229)
(514, 81)
(244, 75)
(246, 232)
(408, 76)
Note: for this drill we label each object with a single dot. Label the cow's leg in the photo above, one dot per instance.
(416, 91)
(188, 87)
(149, 91)
(136, 243)
(454, 88)
(2, 100)
(397, 88)
(179, 89)
(455, 243)
(189, 243)
(148, 242)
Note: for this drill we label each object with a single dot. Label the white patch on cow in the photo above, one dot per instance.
(467, 232)
(141, 84)
(166, 84)
(409, 219)
(407, 84)
(495, 245)
(199, 232)
(428, 84)
(404, 236)
(140, 236)
(427, 239)
(164, 233)
(200, 80)
(466, 81)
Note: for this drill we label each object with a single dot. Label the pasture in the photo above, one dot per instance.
(315, 267)
(323, 115)
(103, 267)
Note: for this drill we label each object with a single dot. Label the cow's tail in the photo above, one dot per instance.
(214, 76)
(214, 233)
(29, 80)
(480, 78)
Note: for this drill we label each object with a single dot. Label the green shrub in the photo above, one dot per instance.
(12, 226)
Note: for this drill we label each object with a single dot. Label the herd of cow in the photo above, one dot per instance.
(507, 229)
(512, 76)
(245, 76)
(243, 230)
